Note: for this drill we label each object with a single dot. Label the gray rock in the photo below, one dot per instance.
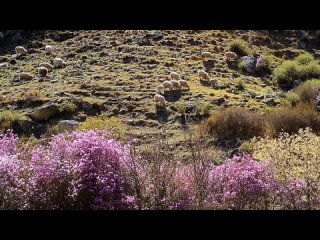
(122, 111)
(302, 44)
(68, 124)
(3, 65)
(250, 63)
(97, 77)
(297, 82)
(219, 101)
(269, 101)
(3, 59)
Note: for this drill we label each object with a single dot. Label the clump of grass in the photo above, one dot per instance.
(240, 47)
(68, 106)
(292, 99)
(203, 108)
(246, 147)
(112, 124)
(181, 107)
(8, 117)
(242, 66)
(269, 64)
(240, 85)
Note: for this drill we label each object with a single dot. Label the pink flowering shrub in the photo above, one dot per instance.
(8, 142)
(242, 183)
(90, 170)
(78, 170)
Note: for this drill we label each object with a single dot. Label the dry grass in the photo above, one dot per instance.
(232, 124)
(291, 119)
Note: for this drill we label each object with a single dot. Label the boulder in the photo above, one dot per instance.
(44, 113)
(250, 63)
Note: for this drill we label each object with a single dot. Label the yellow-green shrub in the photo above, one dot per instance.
(112, 124)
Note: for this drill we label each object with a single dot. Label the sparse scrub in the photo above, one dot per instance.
(308, 91)
(240, 47)
(233, 123)
(291, 119)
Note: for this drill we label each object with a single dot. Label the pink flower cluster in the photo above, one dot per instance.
(260, 61)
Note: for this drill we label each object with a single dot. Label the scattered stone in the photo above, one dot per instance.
(219, 101)
(258, 97)
(302, 44)
(12, 61)
(96, 77)
(115, 110)
(297, 82)
(269, 101)
(68, 124)
(3, 64)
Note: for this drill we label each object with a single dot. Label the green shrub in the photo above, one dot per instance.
(68, 106)
(303, 67)
(304, 58)
(181, 107)
(240, 47)
(287, 72)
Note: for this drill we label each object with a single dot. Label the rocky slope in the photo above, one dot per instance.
(115, 73)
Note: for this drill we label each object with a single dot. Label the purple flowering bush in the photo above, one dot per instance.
(90, 170)
(242, 183)
(78, 170)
